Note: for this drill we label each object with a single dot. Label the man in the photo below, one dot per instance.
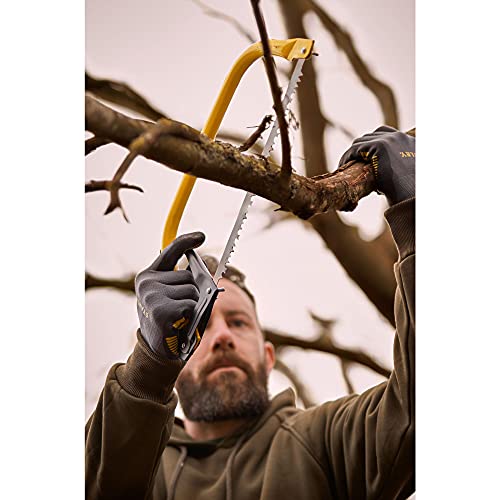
(235, 443)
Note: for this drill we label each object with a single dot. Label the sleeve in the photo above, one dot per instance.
(127, 433)
(366, 443)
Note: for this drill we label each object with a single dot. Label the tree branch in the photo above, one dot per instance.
(123, 95)
(257, 134)
(223, 163)
(343, 365)
(209, 11)
(343, 40)
(280, 340)
(364, 261)
(93, 143)
(302, 391)
(286, 166)
(324, 344)
(125, 285)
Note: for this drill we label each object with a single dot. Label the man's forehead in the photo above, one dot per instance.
(234, 297)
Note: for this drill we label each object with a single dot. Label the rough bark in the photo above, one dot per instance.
(223, 163)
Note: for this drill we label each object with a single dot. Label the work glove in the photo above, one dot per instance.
(166, 298)
(392, 155)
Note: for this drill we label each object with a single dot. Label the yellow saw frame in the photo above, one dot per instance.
(294, 48)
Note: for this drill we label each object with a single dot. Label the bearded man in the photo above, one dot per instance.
(236, 443)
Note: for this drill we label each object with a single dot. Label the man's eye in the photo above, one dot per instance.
(238, 323)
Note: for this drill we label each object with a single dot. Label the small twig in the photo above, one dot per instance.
(95, 142)
(302, 391)
(349, 134)
(139, 146)
(286, 164)
(277, 216)
(343, 365)
(93, 186)
(209, 11)
(257, 134)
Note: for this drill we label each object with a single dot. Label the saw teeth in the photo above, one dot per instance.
(226, 256)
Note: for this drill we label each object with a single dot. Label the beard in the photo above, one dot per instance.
(225, 397)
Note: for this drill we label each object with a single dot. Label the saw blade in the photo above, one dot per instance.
(247, 201)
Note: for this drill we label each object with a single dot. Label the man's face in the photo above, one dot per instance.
(226, 377)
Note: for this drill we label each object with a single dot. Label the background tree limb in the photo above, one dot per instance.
(368, 263)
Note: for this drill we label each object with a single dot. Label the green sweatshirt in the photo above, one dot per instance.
(360, 446)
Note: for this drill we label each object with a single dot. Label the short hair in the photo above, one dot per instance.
(231, 274)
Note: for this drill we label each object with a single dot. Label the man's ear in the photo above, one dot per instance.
(270, 356)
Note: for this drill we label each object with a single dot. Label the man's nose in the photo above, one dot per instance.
(220, 335)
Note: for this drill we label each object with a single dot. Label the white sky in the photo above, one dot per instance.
(177, 57)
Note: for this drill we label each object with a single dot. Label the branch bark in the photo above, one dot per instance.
(223, 163)
(286, 165)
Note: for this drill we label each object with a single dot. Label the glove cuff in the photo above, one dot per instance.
(147, 375)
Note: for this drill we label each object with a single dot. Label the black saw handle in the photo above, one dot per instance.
(208, 294)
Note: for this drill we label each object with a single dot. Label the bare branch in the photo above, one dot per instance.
(344, 367)
(343, 40)
(302, 391)
(209, 11)
(125, 284)
(93, 186)
(123, 95)
(286, 166)
(278, 339)
(364, 261)
(324, 344)
(348, 133)
(223, 163)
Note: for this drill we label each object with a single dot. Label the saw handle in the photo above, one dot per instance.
(208, 294)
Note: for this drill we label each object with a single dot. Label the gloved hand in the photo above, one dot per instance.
(392, 154)
(166, 298)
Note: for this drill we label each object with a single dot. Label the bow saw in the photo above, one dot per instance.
(298, 49)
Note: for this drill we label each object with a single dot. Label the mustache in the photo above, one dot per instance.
(227, 358)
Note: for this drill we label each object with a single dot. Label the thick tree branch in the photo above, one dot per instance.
(223, 163)
(121, 94)
(365, 262)
(93, 143)
(286, 164)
